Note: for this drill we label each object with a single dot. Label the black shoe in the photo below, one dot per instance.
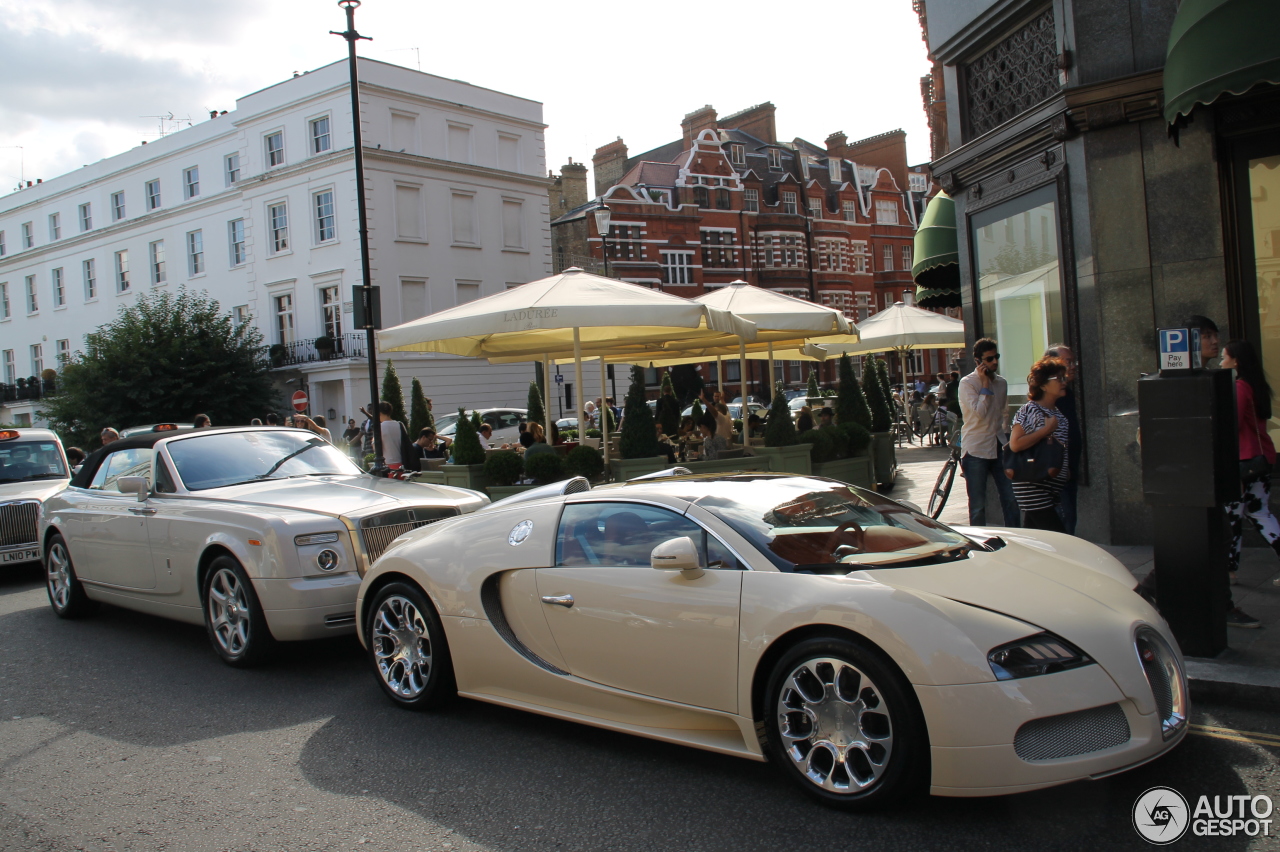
(1238, 618)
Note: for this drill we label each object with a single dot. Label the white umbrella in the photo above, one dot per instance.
(902, 328)
(573, 312)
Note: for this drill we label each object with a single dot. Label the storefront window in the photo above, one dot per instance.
(1019, 283)
(1264, 197)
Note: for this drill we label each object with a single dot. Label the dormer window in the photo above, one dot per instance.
(775, 159)
(833, 169)
(737, 154)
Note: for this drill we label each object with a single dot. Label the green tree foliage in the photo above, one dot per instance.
(419, 414)
(544, 468)
(584, 461)
(696, 411)
(813, 389)
(639, 440)
(476, 422)
(779, 431)
(668, 407)
(857, 437)
(537, 414)
(851, 403)
(877, 401)
(394, 394)
(166, 357)
(687, 382)
(504, 467)
(466, 442)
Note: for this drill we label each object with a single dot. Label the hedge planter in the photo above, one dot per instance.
(854, 471)
(884, 459)
(458, 475)
(728, 465)
(792, 459)
(624, 469)
(497, 492)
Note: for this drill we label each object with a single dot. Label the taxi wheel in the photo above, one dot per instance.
(841, 721)
(66, 594)
(232, 615)
(408, 650)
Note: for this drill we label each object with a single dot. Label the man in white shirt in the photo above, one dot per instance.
(391, 455)
(984, 402)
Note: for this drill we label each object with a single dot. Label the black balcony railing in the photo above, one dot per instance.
(307, 352)
(32, 388)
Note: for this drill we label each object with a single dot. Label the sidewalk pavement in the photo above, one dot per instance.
(1248, 671)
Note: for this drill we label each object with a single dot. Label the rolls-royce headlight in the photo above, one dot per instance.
(315, 538)
(327, 560)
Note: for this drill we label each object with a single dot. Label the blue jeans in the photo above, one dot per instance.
(1067, 504)
(976, 471)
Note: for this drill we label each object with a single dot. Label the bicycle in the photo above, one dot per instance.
(946, 478)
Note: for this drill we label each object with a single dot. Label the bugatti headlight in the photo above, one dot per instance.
(1040, 654)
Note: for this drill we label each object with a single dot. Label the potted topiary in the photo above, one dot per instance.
(276, 353)
(884, 460)
(503, 470)
(544, 468)
(813, 395)
(853, 417)
(466, 469)
(638, 445)
(324, 347)
(585, 462)
(536, 413)
(781, 444)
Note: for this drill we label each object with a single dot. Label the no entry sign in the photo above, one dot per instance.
(299, 400)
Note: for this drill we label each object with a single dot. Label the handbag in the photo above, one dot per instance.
(1038, 463)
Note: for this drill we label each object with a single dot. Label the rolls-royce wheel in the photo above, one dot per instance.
(843, 723)
(66, 594)
(407, 648)
(232, 615)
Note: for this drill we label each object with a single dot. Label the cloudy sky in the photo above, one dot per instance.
(86, 79)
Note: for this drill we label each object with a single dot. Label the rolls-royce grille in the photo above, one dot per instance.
(380, 530)
(1072, 734)
(18, 523)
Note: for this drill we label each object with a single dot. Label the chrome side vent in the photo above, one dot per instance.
(340, 619)
(491, 600)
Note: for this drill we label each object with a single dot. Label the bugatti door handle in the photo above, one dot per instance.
(565, 601)
(143, 511)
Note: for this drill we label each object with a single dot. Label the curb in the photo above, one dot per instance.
(1210, 680)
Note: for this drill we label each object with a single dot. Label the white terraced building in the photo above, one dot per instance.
(257, 208)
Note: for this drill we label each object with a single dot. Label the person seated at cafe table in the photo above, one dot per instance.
(712, 444)
(532, 446)
(664, 444)
(755, 426)
(430, 445)
(687, 429)
(804, 422)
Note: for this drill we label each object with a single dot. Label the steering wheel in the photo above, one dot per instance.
(833, 540)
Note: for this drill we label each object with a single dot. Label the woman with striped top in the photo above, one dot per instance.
(1040, 420)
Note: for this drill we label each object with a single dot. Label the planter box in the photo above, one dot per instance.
(458, 475)
(854, 471)
(624, 469)
(793, 459)
(884, 459)
(728, 465)
(497, 492)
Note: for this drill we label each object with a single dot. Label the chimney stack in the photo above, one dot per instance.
(609, 161)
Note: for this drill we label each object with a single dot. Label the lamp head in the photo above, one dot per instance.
(349, 4)
(603, 215)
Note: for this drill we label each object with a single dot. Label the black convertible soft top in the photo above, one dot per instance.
(145, 440)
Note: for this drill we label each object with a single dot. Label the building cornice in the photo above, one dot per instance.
(468, 169)
(449, 106)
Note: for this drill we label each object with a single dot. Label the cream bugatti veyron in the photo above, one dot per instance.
(866, 649)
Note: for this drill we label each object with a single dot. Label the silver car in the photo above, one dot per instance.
(259, 533)
(505, 423)
(33, 466)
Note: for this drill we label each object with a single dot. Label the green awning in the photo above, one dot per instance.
(1218, 47)
(937, 259)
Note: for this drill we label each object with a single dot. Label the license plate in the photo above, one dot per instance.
(31, 555)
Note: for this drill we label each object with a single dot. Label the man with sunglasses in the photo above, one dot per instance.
(984, 402)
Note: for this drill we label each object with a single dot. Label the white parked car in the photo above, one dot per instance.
(33, 467)
(259, 533)
(504, 421)
(868, 651)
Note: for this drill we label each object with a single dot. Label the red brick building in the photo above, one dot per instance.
(727, 200)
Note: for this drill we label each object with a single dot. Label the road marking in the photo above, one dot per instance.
(1271, 740)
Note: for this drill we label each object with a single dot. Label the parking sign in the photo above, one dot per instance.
(1179, 348)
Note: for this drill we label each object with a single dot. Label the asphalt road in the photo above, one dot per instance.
(125, 732)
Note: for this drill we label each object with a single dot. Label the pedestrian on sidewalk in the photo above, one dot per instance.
(1040, 419)
(984, 396)
(1257, 457)
(1075, 436)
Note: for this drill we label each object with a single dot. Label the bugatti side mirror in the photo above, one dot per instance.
(677, 554)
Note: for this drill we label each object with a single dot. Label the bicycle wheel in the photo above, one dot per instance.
(942, 488)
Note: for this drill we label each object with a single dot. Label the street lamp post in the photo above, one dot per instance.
(350, 6)
(603, 214)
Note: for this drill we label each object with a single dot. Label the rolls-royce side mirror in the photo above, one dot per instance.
(677, 554)
(134, 485)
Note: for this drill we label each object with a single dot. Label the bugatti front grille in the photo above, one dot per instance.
(18, 523)
(380, 530)
(1072, 734)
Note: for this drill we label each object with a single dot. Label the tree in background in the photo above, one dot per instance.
(668, 407)
(419, 414)
(877, 401)
(779, 431)
(466, 442)
(476, 422)
(687, 382)
(537, 414)
(639, 440)
(166, 357)
(851, 403)
(813, 390)
(394, 394)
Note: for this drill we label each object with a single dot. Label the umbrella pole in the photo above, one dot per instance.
(769, 385)
(720, 377)
(604, 415)
(546, 403)
(742, 370)
(577, 381)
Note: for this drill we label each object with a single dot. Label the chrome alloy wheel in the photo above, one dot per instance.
(402, 646)
(229, 612)
(59, 575)
(835, 725)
